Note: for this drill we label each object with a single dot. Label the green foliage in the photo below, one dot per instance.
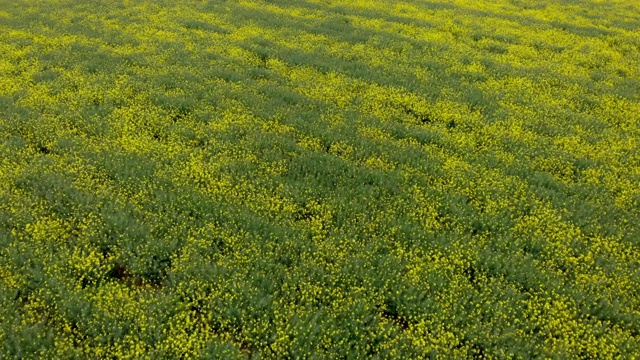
(319, 179)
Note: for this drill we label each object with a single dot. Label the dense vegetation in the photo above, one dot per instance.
(319, 178)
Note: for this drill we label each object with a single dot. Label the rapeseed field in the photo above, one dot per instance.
(298, 179)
